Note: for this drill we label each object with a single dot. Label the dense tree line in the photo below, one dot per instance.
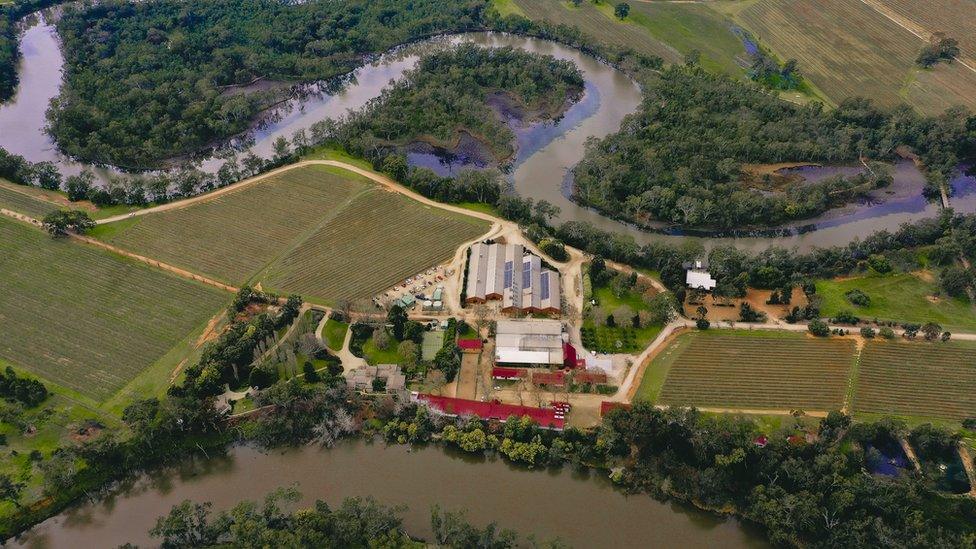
(146, 81)
(355, 523)
(448, 92)
(679, 158)
(943, 237)
(10, 15)
(25, 390)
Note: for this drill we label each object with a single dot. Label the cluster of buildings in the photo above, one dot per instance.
(507, 273)
(532, 343)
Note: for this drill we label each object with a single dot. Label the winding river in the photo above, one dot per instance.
(582, 509)
(546, 152)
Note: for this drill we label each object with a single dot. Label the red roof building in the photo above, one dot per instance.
(500, 372)
(469, 345)
(545, 417)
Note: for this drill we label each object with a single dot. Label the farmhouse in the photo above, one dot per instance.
(698, 278)
(507, 273)
(530, 343)
(363, 379)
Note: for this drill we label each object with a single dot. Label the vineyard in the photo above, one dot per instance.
(598, 25)
(87, 319)
(12, 199)
(235, 235)
(366, 248)
(955, 18)
(758, 371)
(936, 380)
(848, 49)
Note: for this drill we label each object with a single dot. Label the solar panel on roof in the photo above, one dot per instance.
(526, 276)
(508, 274)
(544, 286)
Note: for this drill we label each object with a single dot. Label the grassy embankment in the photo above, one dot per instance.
(900, 297)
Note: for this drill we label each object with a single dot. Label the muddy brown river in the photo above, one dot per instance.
(581, 509)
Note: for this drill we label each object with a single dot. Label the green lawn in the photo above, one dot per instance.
(334, 333)
(87, 319)
(899, 297)
(603, 339)
(507, 7)
(377, 356)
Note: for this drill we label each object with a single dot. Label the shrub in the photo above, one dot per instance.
(867, 332)
(879, 264)
(846, 317)
(818, 328)
(858, 298)
(886, 333)
(702, 324)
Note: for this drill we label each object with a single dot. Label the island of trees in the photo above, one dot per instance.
(452, 91)
(147, 81)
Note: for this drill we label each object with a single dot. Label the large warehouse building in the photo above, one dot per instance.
(533, 342)
(506, 272)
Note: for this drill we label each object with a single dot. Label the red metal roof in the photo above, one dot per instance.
(549, 378)
(469, 344)
(501, 372)
(545, 417)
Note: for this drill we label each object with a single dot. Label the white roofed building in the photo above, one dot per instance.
(536, 342)
(698, 277)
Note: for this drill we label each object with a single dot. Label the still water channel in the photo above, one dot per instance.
(546, 152)
(582, 509)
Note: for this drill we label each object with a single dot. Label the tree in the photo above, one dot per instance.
(186, 525)
(61, 222)
(47, 175)
(381, 338)
(867, 332)
(309, 373)
(702, 324)
(78, 186)
(886, 333)
(931, 331)
(397, 316)
(911, 330)
(702, 312)
(945, 336)
(956, 280)
(818, 328)
(621, 10)
(662, 307)
(10, 490)
(281, 147)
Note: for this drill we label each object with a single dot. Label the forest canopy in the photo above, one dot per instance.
(449, 92)
(146, 81)
(679, 159)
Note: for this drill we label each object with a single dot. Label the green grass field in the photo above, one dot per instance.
(917, 379)
(899, 297)
(595, 22)
(334, 333)
(86, 319)
(319, 231)
(751, 370)
(849, 49)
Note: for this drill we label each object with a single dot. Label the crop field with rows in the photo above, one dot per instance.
(235, 235)
(20, 202)
(934, 380)
(378, 240)
(954, 18)
(758, 371)
(87, 319)
(850, 49)
(589, 19)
